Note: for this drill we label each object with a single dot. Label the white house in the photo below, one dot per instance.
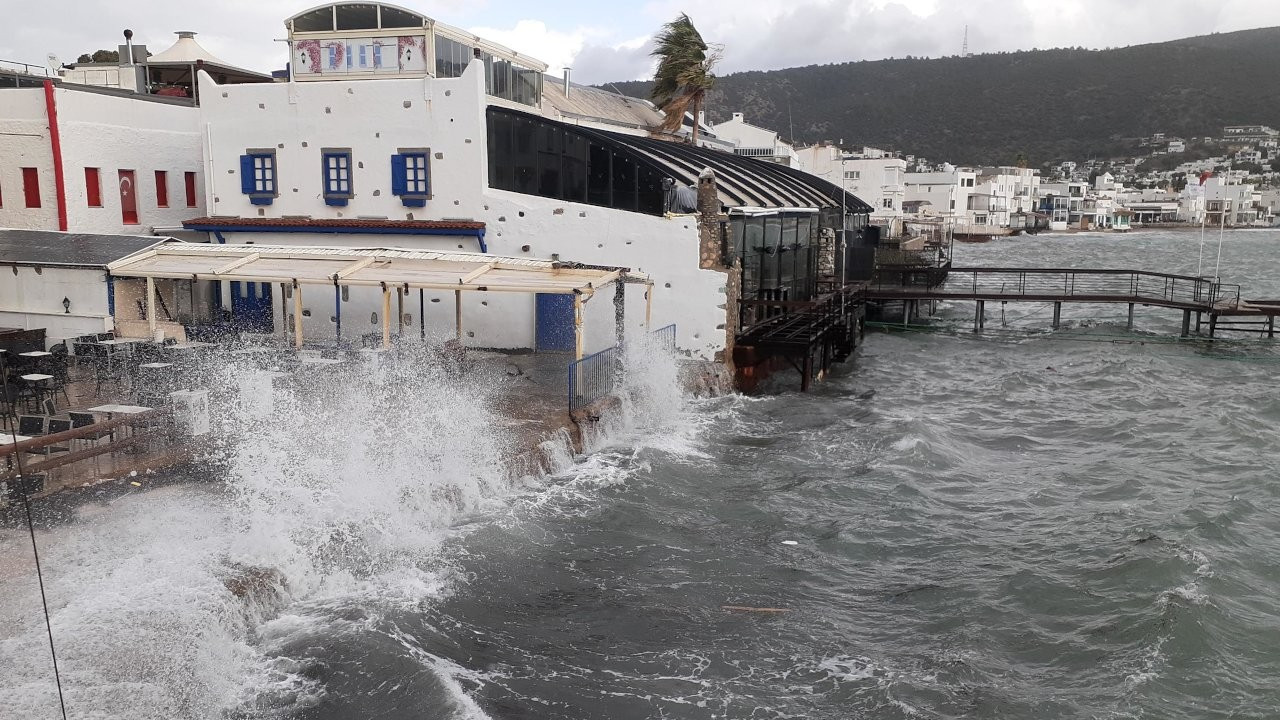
(874, 177)
(753, 141)
(944, 193)
(95, 160)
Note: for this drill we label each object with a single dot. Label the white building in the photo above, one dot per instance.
(873, 176)
(943, 193)
(87, 159)
(753, 141)
(460, 152)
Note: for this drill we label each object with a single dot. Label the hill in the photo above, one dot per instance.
(1049, 105)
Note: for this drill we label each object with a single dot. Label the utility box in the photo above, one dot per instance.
(190, 412)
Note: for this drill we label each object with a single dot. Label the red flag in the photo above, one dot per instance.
(1205, 176)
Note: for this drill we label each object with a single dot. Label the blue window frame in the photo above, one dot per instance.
(337, 175)
(258, 176)
(411, 177)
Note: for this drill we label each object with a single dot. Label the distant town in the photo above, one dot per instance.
(1228, 185)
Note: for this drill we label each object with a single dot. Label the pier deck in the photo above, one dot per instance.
(1199, 295)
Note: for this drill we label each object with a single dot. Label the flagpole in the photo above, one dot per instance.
(1204, 219)
(1222, 229)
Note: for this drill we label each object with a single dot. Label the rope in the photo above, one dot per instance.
(31, 528)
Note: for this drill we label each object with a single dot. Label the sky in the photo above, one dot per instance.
(609, 41)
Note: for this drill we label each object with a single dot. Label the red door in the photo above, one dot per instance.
(128, 198)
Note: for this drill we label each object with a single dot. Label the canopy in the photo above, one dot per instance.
(377, 267)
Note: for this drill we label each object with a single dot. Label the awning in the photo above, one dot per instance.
(378, 267)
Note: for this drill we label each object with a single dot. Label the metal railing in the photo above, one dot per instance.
(1182, 291)
(664, 337)
(593, 377)
(598, 374)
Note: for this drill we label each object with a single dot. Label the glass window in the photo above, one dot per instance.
(337, 176)
(624, 182)
(264, 173)
(599, 175)
(451, 57)
(357, 16)
(258, 176)
(575, 167)
(415, 175)
(397, 18)
(318, 20)
(524, 156)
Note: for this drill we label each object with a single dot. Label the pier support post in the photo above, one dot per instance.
(297, 315)
(1199, 318)
(906, 313)
(1186, 323)
(1130, 325)
(806, 373)
(1057, 315)
(1213, 324)
(979, 316)
(1271, 326)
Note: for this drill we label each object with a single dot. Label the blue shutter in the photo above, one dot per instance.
(399, 175)
(246, 174)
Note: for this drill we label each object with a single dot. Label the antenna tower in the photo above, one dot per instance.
(964, 50)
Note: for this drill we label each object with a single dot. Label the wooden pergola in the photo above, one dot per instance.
(386, 268)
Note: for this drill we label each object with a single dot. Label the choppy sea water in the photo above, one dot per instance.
(1022, 524)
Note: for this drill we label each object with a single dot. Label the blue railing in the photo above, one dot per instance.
(596, 375)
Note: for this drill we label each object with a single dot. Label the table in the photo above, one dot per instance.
(189, 345)
(120, 341)
(36, 377)
(121, 409)
(35, 354)
(307, 360)
(155, 365)
(8, 439)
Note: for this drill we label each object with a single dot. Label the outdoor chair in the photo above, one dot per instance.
(57, 426)
(83, 420)
(60, 369)
(31, 425)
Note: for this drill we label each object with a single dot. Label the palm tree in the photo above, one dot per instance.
(684, 76)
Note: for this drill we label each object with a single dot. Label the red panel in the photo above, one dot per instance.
(31, 186)
(128, 198)
(93, 186)
(162, 188)
(190, 179)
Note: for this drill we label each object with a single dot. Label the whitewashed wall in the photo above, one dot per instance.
(31, 300)
(24, 142)
(376, 118)
(110, 132)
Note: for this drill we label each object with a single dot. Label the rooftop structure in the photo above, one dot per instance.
(379, 40)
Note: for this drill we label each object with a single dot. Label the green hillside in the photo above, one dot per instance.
(1047, 104)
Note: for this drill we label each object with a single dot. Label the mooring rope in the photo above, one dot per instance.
(31, 528)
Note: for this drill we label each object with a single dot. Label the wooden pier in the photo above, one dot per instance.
(809, 335)
(1202, 300)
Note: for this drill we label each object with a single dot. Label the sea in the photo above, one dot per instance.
(1023, 523)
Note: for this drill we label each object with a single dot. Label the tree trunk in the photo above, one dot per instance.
(697, 110)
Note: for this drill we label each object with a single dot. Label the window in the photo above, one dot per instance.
(93, 186)
(337, 175)
(31, 186)
(887, 203)
(189, 179)
(162, 189)
(258, 176)
(128, 197)
(852, 174)
(979, 219)
(410, 178)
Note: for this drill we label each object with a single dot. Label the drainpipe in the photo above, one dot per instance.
(567, 72)
(55, 142)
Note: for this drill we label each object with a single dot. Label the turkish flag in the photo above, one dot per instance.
(1205, 176)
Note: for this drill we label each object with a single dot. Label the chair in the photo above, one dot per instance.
(57, 426)
(31, 425)
(105, 336)
(82, 420)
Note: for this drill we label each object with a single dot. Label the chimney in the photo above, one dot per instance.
(737, 117)
(567, 72)
(128, 44)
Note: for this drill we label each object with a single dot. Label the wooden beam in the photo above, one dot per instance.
(151, 307)
(356, 266)
(386, 317)
(457, 313)
(477, 273)
(648, 306)
(297, 315)
(577, 326)
(125, 262)
(251, 257)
